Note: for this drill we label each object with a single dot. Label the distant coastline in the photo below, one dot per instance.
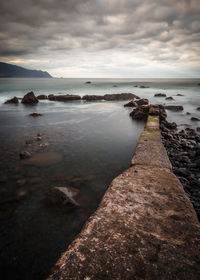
(13, 71)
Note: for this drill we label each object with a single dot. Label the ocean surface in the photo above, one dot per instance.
(81, 144)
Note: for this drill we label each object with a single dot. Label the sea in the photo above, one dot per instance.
(78, 144)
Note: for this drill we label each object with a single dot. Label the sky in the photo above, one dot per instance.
(103, 38)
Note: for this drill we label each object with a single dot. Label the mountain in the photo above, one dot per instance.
(14, 71)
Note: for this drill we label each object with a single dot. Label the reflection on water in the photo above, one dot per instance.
(84, 146)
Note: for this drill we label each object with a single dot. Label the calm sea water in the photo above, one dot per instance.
(92, 142)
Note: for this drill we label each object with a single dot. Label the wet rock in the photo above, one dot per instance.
(136, 86)
(140, 112)
(142, 101)
(66, 97)
(160, 95)
(92, 97)
(44, 159)
(144, 86)
(120, 96)
(198, 108)
(35, 115)
(115, 86)
(174, 107)
(13, 100)
(29, 98)
(169, 98)
(132, 103)
(188, 113)
(25, 155)
(154, 110)
(88, 82)
(65, 195)
(195, 119)
(42, 97)
(178, 94)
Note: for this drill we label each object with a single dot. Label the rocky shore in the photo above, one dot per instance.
(183, 148)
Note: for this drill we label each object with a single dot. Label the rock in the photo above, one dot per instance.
(188, 113)
(13, 100)
(65, 195)
(42, 97)
(140, 112)
(160, 95)
(178, 94)
(144, 87)
(120, 96)
(154, 110)
(29, 142)
(35, 115)
(195, 119)
(25, 155)
(66, 97)
(169, 98)
(136, 86)
(198, 129)
(3, 178)
(92, 97)
(115, 86)
(198, 108)
(38, 138)
(174, 107)
(132, 103)
(29, 98)
(142, 101)
(88, 82)
(44, 159)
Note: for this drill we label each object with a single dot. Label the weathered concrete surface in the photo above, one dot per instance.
(150, 150)
(144, 228)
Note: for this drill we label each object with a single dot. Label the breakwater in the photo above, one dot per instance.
(144, 228)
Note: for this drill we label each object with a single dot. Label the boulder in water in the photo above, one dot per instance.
(42, 97)
(35, 115)
(174, 107)
(93, 97)
(13, 100)
(160, 95)
(29, 98)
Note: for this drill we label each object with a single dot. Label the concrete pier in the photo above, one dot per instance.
(144, 228)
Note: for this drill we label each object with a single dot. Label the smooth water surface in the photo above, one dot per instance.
(92, 143)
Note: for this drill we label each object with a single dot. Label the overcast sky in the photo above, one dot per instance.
(102, 38)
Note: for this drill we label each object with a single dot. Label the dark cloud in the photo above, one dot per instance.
(55, 34)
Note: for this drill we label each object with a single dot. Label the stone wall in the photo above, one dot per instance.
(144, 228)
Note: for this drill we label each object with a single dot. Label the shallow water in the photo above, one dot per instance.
(83, 145)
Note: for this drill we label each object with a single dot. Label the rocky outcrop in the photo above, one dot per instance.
(42, 97)
(140, 112)
(92, 97)
(174, 107)
(132, 103)
(13, 100)
(142, 101)
(120, 96)
(35, 115)
(29, 98)
(66, 97)
(160, 95)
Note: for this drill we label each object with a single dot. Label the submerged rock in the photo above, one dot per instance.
(169, 98)
(198, 108)
(65, 195)
(88, 82)
(25, 155)
(178, 94)
(93, 97)
(66, 97)
(44, 159)
(29, 98)
(160, 95)
(195, 119)
(13, 100)
(35, 115)
(174, 107)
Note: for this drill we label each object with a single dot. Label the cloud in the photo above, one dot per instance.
(69, 36)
